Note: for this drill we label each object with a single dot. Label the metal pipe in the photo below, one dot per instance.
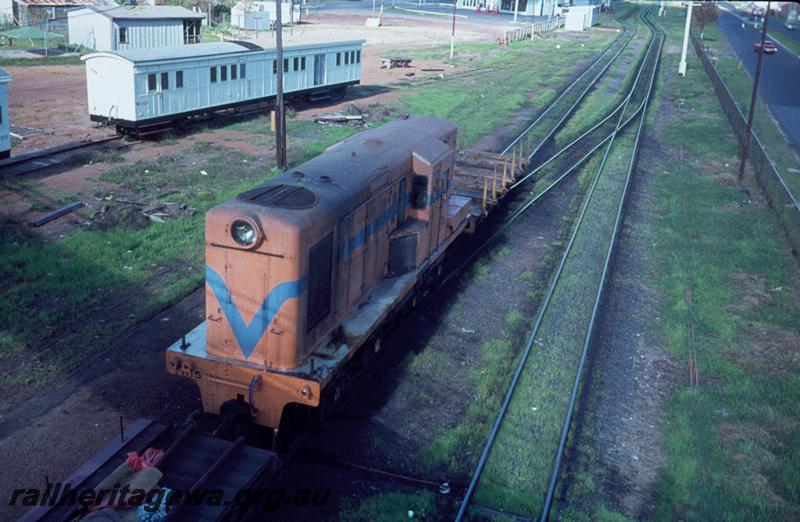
(682, 64)
(280, 134)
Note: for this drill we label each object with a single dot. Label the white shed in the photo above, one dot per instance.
(578, 18)
(109, 28)
(260, 15)
(5, 123)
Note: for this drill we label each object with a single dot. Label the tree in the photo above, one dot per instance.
(707, 13)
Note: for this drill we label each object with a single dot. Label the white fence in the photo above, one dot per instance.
(527, 31)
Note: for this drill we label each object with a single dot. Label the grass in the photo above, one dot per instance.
(478, 109)
(51, 285)
(390, 507)
(44, 60)
(731, 441)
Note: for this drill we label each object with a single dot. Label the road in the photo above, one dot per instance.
(777, 24)
(780, 75)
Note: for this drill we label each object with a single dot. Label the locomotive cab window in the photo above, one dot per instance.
(151, 82)
(419, 192)
(178, 79)
(320, 259)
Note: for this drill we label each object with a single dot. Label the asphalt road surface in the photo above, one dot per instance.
(780, 75)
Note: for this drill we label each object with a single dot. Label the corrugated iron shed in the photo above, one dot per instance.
(145, 12)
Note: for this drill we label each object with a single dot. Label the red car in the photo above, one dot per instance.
(769, 47)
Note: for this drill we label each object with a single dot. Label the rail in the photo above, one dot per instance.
(621, 123)
(777, 192)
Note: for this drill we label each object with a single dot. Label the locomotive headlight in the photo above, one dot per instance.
(243, 233)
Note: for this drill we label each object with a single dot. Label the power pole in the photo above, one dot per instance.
(280, 125)
(682, 65)
(753, 99)
(453, 32)
(516, 9)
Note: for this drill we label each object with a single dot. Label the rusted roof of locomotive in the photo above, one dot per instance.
(348, 173)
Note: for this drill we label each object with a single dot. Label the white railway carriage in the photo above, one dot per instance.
(138, 88)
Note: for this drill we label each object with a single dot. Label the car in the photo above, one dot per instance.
(769, 47)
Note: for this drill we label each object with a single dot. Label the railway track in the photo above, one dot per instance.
(517, 473)
(31, 162)
(551, 120)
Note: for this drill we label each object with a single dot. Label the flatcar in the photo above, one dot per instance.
(139, 88)
(303, 271)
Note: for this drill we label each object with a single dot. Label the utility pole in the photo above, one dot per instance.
(453, 32)
(682, 65)
(753, 99)
(516, 9)
(280, 124)
(46, 30)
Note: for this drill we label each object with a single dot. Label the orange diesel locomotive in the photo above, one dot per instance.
(302, 271)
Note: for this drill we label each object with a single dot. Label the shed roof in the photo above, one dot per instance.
(144, 12)
(173, 52)
(60, 3)
(4, 76)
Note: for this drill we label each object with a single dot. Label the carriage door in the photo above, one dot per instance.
(319, 69)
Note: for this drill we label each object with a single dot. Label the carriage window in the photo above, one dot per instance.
(358, 56)
(164, 81)
(419, 192)
(274, 66)
(123, 35)
(223, 76)
(320, 259)
(296, 66)
(178, 79)
(213, 74)
(242, 71)
(285, 65)
(338, 58)
(234, 70)
(352, 57)
(151, 82)
(347, 58)
(303, 63)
